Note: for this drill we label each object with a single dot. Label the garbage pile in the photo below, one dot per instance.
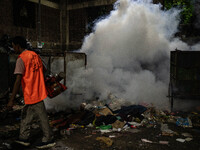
(117, 115)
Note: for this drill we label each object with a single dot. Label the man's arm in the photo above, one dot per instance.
(15, 90)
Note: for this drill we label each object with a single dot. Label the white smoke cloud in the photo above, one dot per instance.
(196, 47)
(128, 53)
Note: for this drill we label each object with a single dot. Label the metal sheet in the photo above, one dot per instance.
(185, 73)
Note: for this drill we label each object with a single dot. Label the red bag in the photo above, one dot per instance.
(53, 86)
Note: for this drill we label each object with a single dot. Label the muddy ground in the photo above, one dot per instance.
(86, 138)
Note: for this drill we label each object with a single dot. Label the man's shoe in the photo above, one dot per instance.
(45, 144)
(22, 142)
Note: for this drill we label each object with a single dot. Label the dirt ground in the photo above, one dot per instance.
(87, 138)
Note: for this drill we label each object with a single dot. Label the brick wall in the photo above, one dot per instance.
(80, 19)
(50, 25)
(77, 27)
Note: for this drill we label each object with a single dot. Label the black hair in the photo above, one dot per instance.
(21, 41)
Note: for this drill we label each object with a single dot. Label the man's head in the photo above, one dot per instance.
(19, 44)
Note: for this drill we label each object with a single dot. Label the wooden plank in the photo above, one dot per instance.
(46, 3)
(94, 3)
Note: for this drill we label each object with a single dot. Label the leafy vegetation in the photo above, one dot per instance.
(187, 7)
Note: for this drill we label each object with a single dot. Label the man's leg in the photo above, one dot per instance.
(26, 119)
(44, 121)
(47, 140)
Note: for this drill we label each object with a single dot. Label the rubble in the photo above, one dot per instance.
(118, 124)
(184, 122)
(180, 140)
(106, 140)
(147, 141)
(166, 131)
(97, 118)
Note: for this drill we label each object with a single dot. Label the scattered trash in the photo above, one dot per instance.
(164, 142)
(146, 141)
(116, 118)
(101, 120)
(166, 131)
(105, 127)
(189, 139)
(115, 103)
(186, 134)
(105, 131)
(103, 111)
(106, 140)
(129, 142)
(65, 132)
(55, 129)
(144, 122)
(74, 126)
(128, 112)
(7, 145)
(116, 130)
(184, 122)
(56, 122)
(195, 118)
(180, 140)
(135, 124)
(112, 136)
(90, 125)
(88, 136)
(126, 127)
(118, 124)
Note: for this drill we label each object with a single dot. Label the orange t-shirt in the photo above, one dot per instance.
(33, 84)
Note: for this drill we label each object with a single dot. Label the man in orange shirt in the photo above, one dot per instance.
(29, 74)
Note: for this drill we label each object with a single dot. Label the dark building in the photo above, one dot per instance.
(59, 24)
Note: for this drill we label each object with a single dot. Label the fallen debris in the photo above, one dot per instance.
(189, 139)
(180, 140)
(97, 119)
(106, 140)
(184, 122)
(186, 134)
(166, 131)
(164, 142)
(118, 124)
(146, 141)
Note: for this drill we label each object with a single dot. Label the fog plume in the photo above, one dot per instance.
(128, 53)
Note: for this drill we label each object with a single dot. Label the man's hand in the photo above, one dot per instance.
(14, 92)
(10, 105)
